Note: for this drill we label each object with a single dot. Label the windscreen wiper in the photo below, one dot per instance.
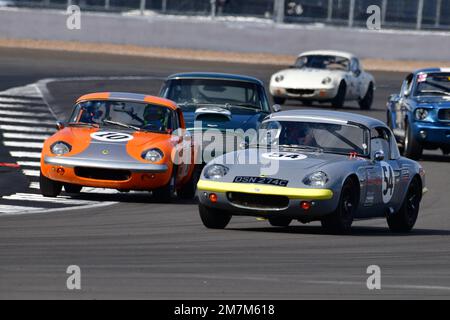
(300, 147)
(123, 125)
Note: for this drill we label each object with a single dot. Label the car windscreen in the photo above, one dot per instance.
(123, 114)
(331, 138)
(206, 92)
(324, 62)
(433, 84)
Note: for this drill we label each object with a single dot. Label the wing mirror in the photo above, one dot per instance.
(60, 125)
(276, 108)
(379, 156)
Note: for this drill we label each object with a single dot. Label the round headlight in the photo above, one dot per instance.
(216, 171)
(279, 78)
(421, 113)
(317, 179)
(327, 80)
(153, 155)
(60, 148)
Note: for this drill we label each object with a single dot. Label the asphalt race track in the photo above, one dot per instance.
(139, 248)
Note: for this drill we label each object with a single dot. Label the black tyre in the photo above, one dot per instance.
(339, 100)
(280, 222)
(412, 148)
(167, 193)
(49, 188)
(446, 151)
(189, 190)
(367, 101)
(279, 100)
(404, 220)
(340, 221)
(214, 218)
(72, 188)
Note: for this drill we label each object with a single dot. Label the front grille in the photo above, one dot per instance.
(300, 92)
(444, 114)
(103, 174)
(260, 202)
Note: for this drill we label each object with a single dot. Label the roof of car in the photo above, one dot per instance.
(428, 70)
(214, 75)
(343, 54)
(126, 96)
(327, 116)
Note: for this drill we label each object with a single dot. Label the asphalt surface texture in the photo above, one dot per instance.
(139, 248)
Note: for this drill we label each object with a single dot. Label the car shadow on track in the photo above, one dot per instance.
(141, 197)
(356, 231)
(435, 158)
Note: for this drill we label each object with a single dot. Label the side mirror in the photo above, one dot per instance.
(276, 108)
(60, 125)
(379, 156)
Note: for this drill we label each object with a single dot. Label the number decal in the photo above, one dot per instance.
(111, 136)
(388, 183)
(284, 156)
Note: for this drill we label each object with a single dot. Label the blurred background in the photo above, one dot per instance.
(402, 14)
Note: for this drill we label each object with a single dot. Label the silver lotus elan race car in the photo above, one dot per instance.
(314, 166)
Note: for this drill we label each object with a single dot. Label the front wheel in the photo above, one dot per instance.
(166, 194)
(213, 218)
(189, 190)
(339, 100)
(366, 102)
(340, 221)
(49, 188)
(405, 219)
(412, 148)
(279, 100)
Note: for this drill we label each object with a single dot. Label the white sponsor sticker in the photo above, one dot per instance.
(388, 183)
(108, 136)
(284, 156)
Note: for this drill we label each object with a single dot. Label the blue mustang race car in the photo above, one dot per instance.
(419, 115)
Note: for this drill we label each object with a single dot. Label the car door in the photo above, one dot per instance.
(386, 172)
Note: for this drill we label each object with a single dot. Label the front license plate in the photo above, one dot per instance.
(261, 180)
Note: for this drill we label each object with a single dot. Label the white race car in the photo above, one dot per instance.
(324, 76)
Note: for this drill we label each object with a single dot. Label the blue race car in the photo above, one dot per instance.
(219, 102)
(419, 115)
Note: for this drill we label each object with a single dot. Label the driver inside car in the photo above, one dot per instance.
(301, 135)
(155, 119)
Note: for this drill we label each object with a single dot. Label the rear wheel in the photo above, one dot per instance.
(341, 220)
(412, 148)
(49, 188)
(280, 221)
(339, 100)
(72, 188)
(279, 100)
(366, 102)
(446, 151)
(405, 219)
(214, 218)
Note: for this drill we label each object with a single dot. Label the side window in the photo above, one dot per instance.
(407, 85)
(380, 141)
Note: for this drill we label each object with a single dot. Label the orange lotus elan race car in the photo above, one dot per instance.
(122, 141)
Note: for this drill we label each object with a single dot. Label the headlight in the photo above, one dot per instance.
(317, 179)
(279, 78)
(216, 171)
(153, 155)
(60, 148)
(327, 80)
(421, 113)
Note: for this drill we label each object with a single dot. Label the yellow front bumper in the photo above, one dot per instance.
(291, 193)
